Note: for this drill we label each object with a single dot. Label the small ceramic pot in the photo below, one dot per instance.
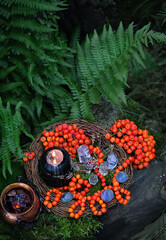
(24, 217)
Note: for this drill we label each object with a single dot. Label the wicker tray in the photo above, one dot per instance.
(96, 133)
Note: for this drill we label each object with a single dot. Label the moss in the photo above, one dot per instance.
(51, 227)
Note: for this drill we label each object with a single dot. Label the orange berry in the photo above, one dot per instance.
(118, 197)
(128, 197)
(80, 181)
(121, 200)
(78, 176)
(43, 139)
(71, 214)
(45, 143)
(49, 205)
(89, 198)
(95, 212)
(107, 136)
(45, 203)
(103, 205)
(47, 198)
(80, 212)
(71, 184)
(54, 203)
(120, 168)
(125, 165)
(104, 210)
(76, 215)
(125, 202)
(70, 210)
(93, 209)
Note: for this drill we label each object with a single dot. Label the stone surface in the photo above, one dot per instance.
(122, 177)
(105, 113)
(153, 231)
(146, 204)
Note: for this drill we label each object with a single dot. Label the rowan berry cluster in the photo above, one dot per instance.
(30, 156)
(67, 136)
(135, 141)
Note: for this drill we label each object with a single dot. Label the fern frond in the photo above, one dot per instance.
(75, 111)
(85, 107)
(29, 24)
(5, 72)
(121, 37)
(9, 86)
(104, 58)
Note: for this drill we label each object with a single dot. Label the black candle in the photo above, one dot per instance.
(56, 170)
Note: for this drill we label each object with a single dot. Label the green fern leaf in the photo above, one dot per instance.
(121, 37)
(9, 86)
(75, 111)
(5, 72)
(85, 107)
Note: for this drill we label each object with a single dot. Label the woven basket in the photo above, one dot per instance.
(96, 133)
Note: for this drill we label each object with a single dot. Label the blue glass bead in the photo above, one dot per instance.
(107, 195)
(67, 197)
(122, 177)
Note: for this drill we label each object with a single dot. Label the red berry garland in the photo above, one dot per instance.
(137, 143)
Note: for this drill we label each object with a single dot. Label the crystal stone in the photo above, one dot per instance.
(83, 153)
(122, 177)
(67, 197)
(103, 168)
(107, 195)
(112, 160)
(91, 163)
(93, 179)
(75, 166)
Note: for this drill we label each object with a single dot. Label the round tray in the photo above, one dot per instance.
(96, 133)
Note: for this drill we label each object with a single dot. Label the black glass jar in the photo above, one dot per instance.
(56, 175)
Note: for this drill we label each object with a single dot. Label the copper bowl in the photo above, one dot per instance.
(25, 217)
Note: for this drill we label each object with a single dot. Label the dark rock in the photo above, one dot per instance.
(147, 202)
(105, 114)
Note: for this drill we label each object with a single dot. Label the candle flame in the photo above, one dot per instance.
(53, 154)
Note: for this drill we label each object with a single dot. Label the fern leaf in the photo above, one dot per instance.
(112, 43)
(5, 72)
(9, 86)
(137, 57)
(121, 37)
(96, 50)
(29, 24)
(94, 95)
(75, 111)
(85, 107)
